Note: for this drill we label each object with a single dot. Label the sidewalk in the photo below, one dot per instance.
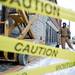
(48, 61)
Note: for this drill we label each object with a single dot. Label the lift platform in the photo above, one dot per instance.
(17, 19)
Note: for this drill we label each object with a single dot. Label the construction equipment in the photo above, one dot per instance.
(17, 19)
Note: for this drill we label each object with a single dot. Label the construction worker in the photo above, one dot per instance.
(65, 36)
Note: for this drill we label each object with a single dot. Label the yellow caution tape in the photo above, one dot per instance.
(44, 70)
(23, 47)
(41, 7)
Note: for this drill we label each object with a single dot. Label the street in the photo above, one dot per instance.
(69, 71)
(47, 61)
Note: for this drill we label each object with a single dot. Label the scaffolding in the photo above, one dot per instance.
(17, 19)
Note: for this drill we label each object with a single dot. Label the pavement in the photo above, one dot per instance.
(69, 71)
(48, 61)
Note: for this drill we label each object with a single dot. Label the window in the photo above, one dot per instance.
(2, 18)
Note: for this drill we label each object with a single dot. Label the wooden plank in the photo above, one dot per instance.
(24, 32)
(26, 19)
(22, 13)
(19, 19)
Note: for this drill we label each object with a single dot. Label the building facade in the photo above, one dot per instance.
(47, 28)
(44, 27)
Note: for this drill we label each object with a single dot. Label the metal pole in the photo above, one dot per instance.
(2, 19)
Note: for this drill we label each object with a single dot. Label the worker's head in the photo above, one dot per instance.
(64, 25)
